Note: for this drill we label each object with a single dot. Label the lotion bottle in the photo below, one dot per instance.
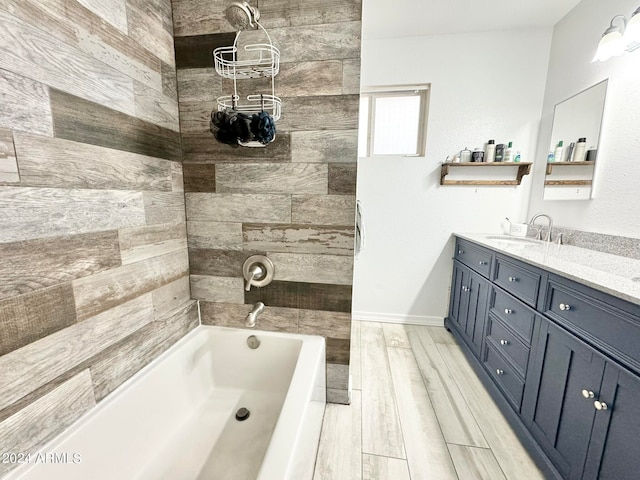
(508, 153)
(557, 155)
(581, 150)
(490, 151)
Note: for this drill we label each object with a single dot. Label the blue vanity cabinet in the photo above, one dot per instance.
(468, 306)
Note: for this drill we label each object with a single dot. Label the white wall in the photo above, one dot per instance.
(483, 85)
(615, 208)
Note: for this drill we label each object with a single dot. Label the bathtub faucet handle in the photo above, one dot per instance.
(255, 273)
(258, 308)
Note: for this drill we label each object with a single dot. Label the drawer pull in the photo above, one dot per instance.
(504, 342)
(465, 288)
(501, 372)
(460, 252)
(513, 279)
(482, 263)
(564, 306)
(600, 405)
(508, 311)
(587, 394)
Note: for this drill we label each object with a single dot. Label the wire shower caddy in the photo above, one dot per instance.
(264, 63)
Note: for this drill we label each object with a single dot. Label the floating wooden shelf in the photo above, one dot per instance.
(550, 165)
(568, 182)
(524, 168)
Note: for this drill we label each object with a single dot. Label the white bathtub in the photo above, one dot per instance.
(175, 419)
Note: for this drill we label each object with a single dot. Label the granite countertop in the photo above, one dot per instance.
(608, 273)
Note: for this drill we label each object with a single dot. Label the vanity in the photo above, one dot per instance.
(553, 331)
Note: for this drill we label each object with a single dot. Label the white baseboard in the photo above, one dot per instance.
(397, 318)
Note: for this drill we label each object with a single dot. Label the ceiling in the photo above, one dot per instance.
(401, 18)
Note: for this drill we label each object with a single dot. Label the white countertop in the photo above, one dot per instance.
(608, 273)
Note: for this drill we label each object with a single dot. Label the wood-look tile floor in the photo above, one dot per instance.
(418, 411)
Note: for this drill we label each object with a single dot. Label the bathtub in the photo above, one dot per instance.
(176, 418)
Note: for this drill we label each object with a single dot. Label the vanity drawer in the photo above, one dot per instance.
(611, 324)
(474, 257)
(513, 313)
(506, 342)
(516, 278)
(504, 375)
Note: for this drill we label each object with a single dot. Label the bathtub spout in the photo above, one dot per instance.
(258, 307)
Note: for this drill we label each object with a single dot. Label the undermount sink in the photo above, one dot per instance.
(513, 240)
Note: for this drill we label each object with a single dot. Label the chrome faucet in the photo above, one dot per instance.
(258, 308)
(539, 234)
(255, 273)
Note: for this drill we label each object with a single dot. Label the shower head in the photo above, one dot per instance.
(241, 15)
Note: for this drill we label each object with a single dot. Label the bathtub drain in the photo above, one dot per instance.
(242, 414)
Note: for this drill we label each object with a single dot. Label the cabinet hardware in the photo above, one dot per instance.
(564, 306)
(508, 311)
(513, 279)
(501, 372)
(600, 405)
(465, 288)
(482, 263)
(587, 393)
(504, 342)
(460, 252)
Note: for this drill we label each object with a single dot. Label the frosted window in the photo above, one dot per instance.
(396, 125)
(363, 120)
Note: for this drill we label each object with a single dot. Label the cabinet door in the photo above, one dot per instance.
(555, 409)
(614, 453)
(476, 312)
(459, 296)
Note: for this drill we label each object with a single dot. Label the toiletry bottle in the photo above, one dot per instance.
(517, 158)
(490, 151)
(557, 155)
(569, 158)
(581, 150)
(550, 157)
(465, 155)
(508, 153)
(499, 152)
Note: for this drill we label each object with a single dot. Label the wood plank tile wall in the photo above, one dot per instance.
(94, 277)
(293, 200)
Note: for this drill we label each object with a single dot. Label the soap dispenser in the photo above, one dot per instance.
(490, 151)
(559, 152)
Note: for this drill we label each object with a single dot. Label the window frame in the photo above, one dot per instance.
(372, 93)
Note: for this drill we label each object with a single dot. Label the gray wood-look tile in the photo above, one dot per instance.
(299, 239)
(140, 243)
(196, 116)
(25, 104)
(169, 80)
(474, 463)
(146, 25)
(354, 356)
(36, 264)
(121, 361)
(338, 395)
(323, 209)
(328, 112)
(196, 17)
(216, 235)
(218, 263)
(30, 213)
(395, 335)
(114, 12)
(155, 107)
(177, 177)
(271, 178)
(217, 289)
(298, 12)
(328, 324)
(8, 163)
(351, 76)
(55, 162)
(262, 208)
(339, 453)
(310, 78)
(456, 420)
(35, 54)
(204, 148)
(33, 426)
(27, 318)
(170, 296)
(275, 319)
(337, 376)
(375, 467)
(514, 462)
(161, 207)
(97, 293)
(34, 365)
(199, 177)
(313, 268)
(427, 453)
(342, 178)
(381, 432)
(324, 146)
(441, 335)
(198, 84)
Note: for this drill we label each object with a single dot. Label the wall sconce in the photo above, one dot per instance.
(619, 39)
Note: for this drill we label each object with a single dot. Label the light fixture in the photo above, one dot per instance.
(618, 39)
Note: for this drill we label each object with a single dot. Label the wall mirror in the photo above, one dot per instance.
(574, 145)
